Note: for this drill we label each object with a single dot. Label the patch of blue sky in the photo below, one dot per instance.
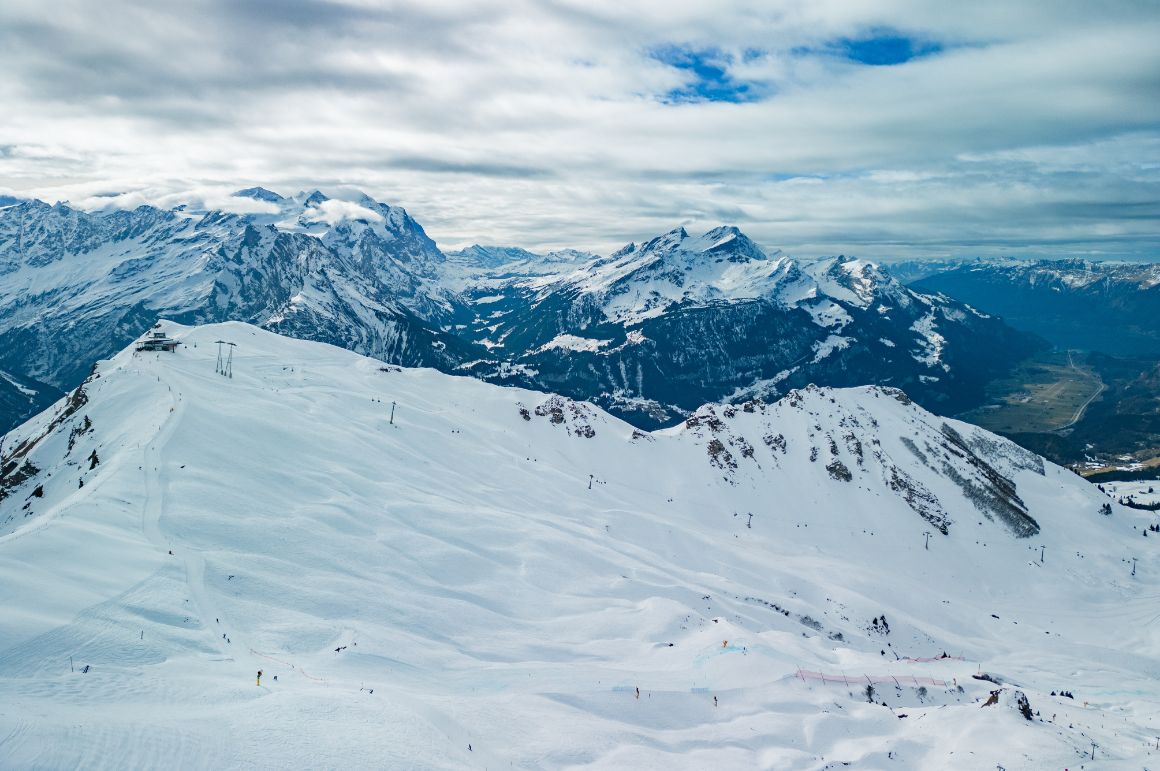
(883, 48)
(708, 75)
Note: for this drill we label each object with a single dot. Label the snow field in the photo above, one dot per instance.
(465, 572)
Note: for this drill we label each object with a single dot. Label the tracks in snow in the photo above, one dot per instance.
(156, 483)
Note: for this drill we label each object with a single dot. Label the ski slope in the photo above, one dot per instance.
(486, 581)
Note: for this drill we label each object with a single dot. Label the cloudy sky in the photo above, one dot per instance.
(890, 128)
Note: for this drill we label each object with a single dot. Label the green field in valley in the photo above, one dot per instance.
(1048, 392)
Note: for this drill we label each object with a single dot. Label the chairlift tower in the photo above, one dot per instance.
(225, 364)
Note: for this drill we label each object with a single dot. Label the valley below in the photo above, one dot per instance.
(1097, 414)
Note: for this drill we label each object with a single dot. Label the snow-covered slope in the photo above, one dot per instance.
(682, 319)
(488, 579)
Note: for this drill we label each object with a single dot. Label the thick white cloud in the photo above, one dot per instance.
(334, 211)
(1035, 129)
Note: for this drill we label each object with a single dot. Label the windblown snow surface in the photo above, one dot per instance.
(488, 580)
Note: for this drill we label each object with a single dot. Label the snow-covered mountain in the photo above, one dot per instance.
(655, 330)
(1097, 306)
(442, 573)
(650, 332)
(478, 267)
(76, 286)
(910, 271)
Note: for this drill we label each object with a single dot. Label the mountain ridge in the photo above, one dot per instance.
(620, 330)
(77, 284)
(625, 330)
(1073, 303)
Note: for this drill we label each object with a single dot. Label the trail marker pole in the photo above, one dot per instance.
(1041, 550)
(1094, 745)
(1133, 566)
(590, 481)
(70, 665)
(392, 413)
(927, 544)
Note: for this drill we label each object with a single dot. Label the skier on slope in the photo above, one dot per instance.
(259, 677)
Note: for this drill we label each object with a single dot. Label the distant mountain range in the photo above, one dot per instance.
(1095, 403)
(650, 332)
(1112, 308)
(656, 329)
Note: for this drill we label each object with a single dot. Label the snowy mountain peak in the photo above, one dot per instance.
(315, 198)
(666, 242)
(733, 244)
(28, 206)
(859, 282)
(259, 194)
(628, 248)
(726, 243)
(481, 256)
(674, 269)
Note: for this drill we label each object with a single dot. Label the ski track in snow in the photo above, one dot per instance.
(156, 474)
